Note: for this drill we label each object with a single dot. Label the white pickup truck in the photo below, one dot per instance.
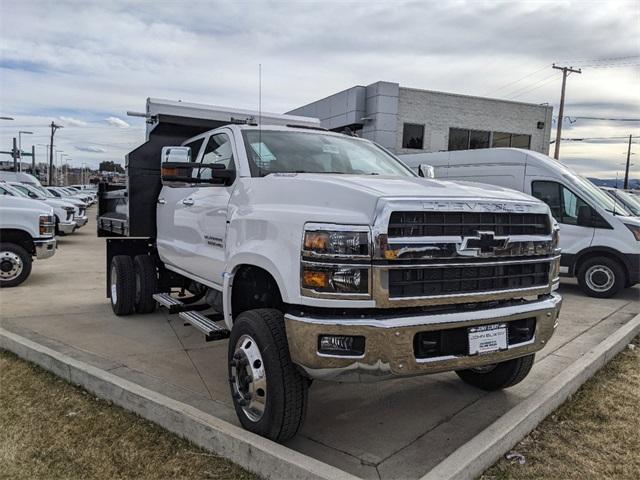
(321, 256)
(26, 230)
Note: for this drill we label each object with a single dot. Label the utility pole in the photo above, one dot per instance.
(626, 171)
(15, 154)
(33, 160)
(565, 72)
(54, 127)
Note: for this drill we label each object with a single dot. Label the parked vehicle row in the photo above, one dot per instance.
(30, 218)
(599, 233)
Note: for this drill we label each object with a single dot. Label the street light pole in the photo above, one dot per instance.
(54, 127)
(58, 166)
(626, 171)
(20, 147)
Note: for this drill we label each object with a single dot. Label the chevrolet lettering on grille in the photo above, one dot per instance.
(483, 244)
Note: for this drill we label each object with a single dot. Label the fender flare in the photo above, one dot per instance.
(255, 260)
(607, 251)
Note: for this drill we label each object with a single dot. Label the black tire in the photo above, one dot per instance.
(498, 376)
(146, 283)
(285, 402)
(601, 277)
(123, 285)
(15, 264)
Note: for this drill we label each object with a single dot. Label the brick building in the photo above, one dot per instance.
(409, 120)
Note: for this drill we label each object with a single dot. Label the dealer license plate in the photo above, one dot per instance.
(487, 338)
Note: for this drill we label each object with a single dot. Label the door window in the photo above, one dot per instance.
(195, 148)
(218, 151)
(564, 204)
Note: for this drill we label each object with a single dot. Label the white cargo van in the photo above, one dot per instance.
(600, 239)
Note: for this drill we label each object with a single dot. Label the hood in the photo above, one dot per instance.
(629, 220)
(25, 204)
(353, 198)
(58, 202)
(394, 186)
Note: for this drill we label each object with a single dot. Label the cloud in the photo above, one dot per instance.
(90, 148)
(117, 122)
(73, 122)
(119, 53)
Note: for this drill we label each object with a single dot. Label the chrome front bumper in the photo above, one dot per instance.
(81, 221)
(67, 227)
(389, 341)
(45, 248)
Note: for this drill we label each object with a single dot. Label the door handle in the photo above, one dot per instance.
(161, 201)
(187, 202)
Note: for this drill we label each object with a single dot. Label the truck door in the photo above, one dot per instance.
(565, 207)
(205, 210)
(175, 233)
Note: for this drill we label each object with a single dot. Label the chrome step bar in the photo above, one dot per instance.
(166, 300)
(174, 305)
(212, 330)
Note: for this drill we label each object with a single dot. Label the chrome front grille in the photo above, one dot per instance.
(455, 251)
(433, 224)
(455, 279)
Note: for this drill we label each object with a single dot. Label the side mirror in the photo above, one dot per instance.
(176, 155)
(426, 171)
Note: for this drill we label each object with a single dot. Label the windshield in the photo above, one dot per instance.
(43, 191)
(26, 189)
(632, 202)
(275, 151)
(14, 191)
(597, 196)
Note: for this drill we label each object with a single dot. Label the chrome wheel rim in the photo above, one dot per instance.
(11, 266)
(114, 291)
(600, 278)
(248, 378)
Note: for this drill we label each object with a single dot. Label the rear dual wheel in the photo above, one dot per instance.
(132, 284)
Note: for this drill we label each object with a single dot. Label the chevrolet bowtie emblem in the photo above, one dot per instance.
(482, 244)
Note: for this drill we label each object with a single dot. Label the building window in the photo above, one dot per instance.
(458, 139)
(463, 139)
(515, 140)
(412, 136)
(478, 139)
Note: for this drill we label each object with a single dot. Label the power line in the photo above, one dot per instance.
(605, 119)
(548, 81)
(516, 81)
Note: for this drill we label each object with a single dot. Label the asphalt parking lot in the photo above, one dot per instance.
(395, 429)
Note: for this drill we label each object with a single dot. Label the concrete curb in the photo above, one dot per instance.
(259, 455)
(482, 451)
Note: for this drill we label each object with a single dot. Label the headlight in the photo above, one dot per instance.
(328, 266)
(47, 225)
(335, 241)
(555, 237)
(339, 279)
(635, 229)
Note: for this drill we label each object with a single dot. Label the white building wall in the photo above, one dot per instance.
(439, 111)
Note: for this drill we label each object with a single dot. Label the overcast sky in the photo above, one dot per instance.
(84, 64)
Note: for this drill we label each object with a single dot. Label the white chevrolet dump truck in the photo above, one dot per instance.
(321, 256)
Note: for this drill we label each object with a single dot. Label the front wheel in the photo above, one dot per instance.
(499, 375)
(269, 393)
(15, 264)
(601, 277)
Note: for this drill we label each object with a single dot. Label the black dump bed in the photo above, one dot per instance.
(130, 210)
